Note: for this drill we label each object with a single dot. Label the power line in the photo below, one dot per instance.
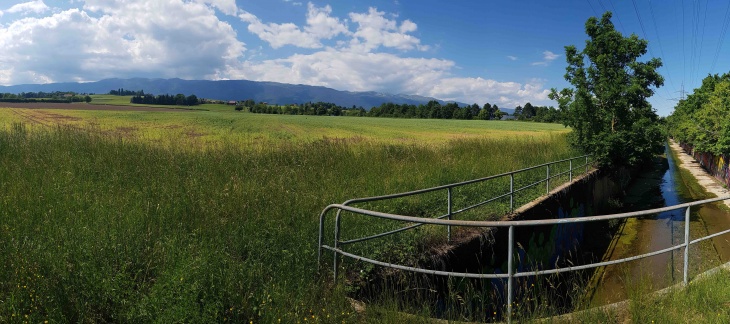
(702, 38)
(617, 18)
(661, 49)
(684, 46)
(723, 31)
(594, 9)
(643, 30)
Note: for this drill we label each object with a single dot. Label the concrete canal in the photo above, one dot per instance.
(556, 246)
(665, 184)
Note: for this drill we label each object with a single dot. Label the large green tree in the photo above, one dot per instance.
(607, 106)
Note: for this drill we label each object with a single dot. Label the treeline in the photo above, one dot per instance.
(703, 118)
(432, 110)
(53, 97)
(124, 92)
(166, 99)
(541, 114)
(435, 110)
(139, 97)
(309, 108)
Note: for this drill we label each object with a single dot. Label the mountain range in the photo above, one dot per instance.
(270, 92)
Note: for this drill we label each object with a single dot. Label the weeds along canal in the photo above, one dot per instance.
(556, 246)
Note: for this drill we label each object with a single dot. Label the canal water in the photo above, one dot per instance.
(663, 185)
(564, 245)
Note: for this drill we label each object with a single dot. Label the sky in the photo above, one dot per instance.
(502, 52)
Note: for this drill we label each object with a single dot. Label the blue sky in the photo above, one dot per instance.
(502, 52)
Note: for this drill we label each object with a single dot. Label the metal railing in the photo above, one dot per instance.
(337, 245)
(449, 195)
(570, 172)
(511, 274)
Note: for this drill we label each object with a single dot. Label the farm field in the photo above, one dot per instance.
(217, 126)
(212, 216)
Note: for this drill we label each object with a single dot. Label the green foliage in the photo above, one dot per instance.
(608, 108)
(703, 118)
(541, 114)
(166, 99)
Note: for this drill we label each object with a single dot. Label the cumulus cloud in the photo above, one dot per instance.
(320, 25)
(25, 8)
(507, 94)
(187, 39)
(348, 70)
(163, 38)
(374, 30)
(359, 71)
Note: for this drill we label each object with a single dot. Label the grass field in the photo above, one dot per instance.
(206, 216)
(249, 129)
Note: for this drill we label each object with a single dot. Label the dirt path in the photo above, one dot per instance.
(705, 180)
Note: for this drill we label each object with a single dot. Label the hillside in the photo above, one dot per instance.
(271, 92)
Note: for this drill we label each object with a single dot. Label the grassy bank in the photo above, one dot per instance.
(102, 226)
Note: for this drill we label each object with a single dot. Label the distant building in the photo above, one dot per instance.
(508, 117)
(231, 102)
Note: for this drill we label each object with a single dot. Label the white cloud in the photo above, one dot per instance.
(358, 71)
(374, 30)
(163, 38)
(348, 70)
(186, 39)
(227, 7)
(548, 57)
(507, 94)
(37, 6)
(512, 58)
(320, 25)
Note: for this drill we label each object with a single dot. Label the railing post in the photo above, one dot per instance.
(547, 180)
(510, 272)
(686, 246)
(448, 227)
(337, 240)
(321, 237)
(586, 164)
(511, 192)
(571, 170)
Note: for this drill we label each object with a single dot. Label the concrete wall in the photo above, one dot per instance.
(717, 166)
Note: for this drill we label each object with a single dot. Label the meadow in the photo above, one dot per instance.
(212, 216)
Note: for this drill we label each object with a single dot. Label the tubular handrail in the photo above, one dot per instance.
(457, 184)
(468, 223)
(449, 188)
(418, 221)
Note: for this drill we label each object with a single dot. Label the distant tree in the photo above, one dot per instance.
(528, 111)
(498, 114)
(191, 100)
(87, 99)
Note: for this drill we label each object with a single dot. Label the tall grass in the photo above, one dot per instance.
(98, 228)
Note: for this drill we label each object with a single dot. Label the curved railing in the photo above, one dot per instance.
(511, 225)
(337, 249)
